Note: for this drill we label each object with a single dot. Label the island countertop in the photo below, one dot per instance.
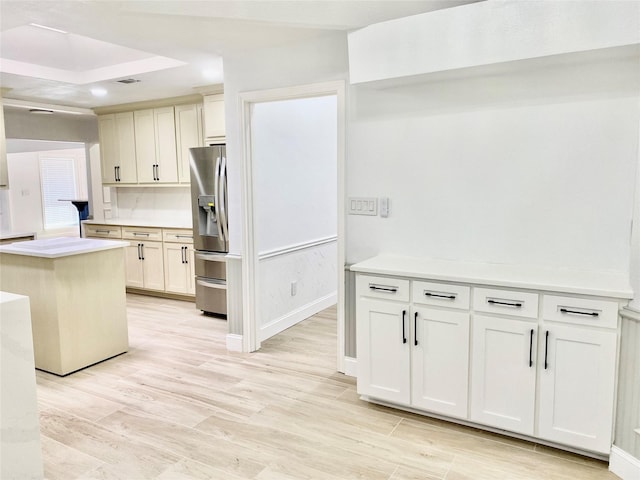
(60, 247)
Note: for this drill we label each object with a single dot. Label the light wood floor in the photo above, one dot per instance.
(179, 406)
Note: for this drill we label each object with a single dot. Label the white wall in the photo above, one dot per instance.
(320, 59)
(294, 147)
(294, 144)
(635, 240)
(535, 166)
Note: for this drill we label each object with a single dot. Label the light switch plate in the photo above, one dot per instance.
(362, 206)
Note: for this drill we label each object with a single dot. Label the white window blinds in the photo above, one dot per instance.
(58, 179)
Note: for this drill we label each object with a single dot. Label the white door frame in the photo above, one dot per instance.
(250, 339)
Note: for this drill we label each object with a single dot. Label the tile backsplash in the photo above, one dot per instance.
(152, 203)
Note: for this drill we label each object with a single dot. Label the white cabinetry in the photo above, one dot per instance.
(179, 274)
(155, 140)
(188, 134)
(214, 123)
(424, 358)
(117, 148)
(534, 361)
(143, 258)
(577, 372)
(503, 380)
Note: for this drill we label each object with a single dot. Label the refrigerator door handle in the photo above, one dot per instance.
(222, 213)
(216, 193)
(219, 286)
(209, 257)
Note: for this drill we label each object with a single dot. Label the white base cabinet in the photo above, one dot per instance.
(533, 361)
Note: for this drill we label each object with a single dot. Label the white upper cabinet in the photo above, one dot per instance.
(214, 125)
(117, 148)
(156, 145)
(188, 134)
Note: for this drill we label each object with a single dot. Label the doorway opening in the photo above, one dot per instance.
(293, 191)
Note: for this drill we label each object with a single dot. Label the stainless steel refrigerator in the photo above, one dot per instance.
(210, 226)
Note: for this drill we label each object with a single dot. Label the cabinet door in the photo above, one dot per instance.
(176, 268)
(107, 134)
(188, 134)
(214, 123)
(383, 350)
(503, 373)
(577, 386)
(440, 361)
(165, 138)
(153, 265)
(191, 283)
(133, 266)
(126, 148)
(145, 141)
(4, 174)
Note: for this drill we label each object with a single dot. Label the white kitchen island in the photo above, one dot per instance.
(76, 287)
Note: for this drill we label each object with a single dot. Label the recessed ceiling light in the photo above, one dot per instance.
(98, 92)
(47, 28)
(128, 80)
(41, 111)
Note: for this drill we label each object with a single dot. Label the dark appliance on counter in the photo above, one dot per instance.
(210, 226)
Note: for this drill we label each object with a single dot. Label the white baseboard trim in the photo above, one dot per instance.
(234, 342)
(350, 366)
(290, 319)
(623, 464)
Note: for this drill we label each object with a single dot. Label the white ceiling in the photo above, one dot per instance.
(171, 47)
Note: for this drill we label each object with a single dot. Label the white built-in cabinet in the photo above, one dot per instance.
(157, 259)
(179, 273)
(529, 361)
(143, 258)
(188, 134)
(156, 145)
(150, 146)
(117, 148)
(214, 122)
(425, 350)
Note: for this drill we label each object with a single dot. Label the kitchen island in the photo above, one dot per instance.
(76, 287)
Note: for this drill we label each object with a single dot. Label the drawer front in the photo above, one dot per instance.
(580, 311)
(441, 294)
(505, 302)
(386, 288)
(102, 231)
(177, 235)
(142, 233)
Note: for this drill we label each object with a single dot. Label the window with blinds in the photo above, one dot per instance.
(58, 181)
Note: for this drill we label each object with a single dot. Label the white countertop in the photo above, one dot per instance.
(586, 282)
(60, 247)
(137, 222)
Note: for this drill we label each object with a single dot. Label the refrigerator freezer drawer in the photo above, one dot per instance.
(211, 265)
(211, 296)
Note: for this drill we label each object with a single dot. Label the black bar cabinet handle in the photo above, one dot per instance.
(415, 328)
(384, 289)
(546, 349)
(531, 349)
(429, 294)
(139, 255)
(142, 250)
(510, 304)
(592, 314)
(404, 336)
